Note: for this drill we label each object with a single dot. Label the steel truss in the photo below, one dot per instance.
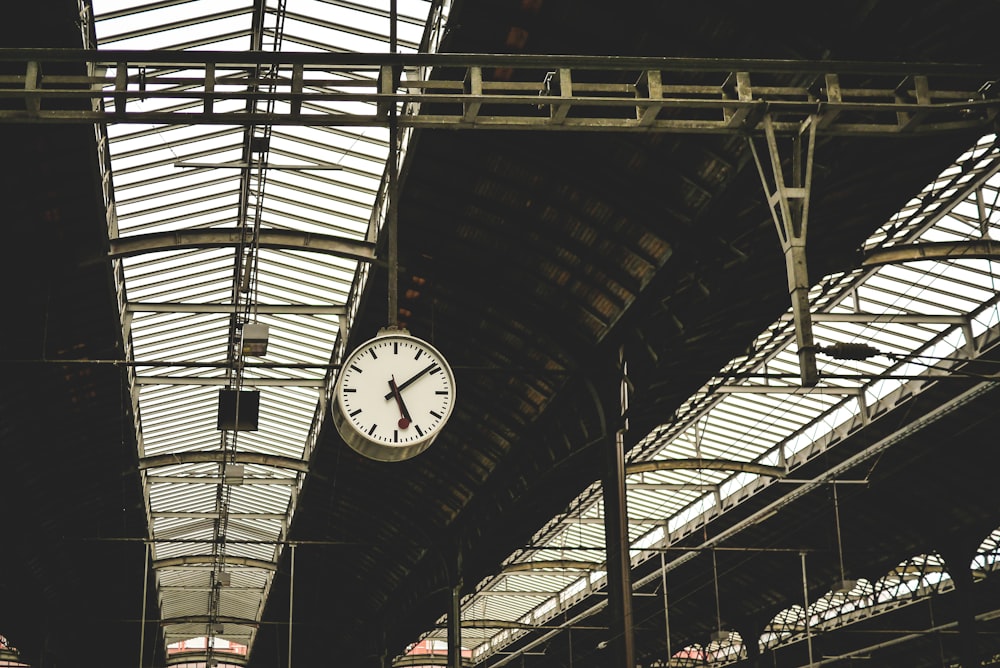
(546, 92)
(458, 91)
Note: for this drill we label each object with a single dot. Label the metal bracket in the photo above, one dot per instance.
(788, 202)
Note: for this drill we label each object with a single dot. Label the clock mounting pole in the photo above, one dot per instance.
(392, 218)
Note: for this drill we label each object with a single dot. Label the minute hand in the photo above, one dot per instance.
(409, 381)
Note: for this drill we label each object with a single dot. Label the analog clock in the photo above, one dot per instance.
(393, 396)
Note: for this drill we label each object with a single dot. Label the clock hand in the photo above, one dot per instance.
(411, 379)
(404, 421)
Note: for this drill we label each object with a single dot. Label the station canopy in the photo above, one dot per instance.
(197, 319)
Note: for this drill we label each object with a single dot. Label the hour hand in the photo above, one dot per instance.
(404, 420)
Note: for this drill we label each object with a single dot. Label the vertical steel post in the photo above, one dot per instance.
(616, 539)
(968, 645)
(455, 612)
(840, 543)
(666, 607)
(455, 628)
(392, 192)
(291, 601)
(805, 608)
(142, 622)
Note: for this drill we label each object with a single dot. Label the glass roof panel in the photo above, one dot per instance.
(190, 306)
(240, 186)
(732, 419)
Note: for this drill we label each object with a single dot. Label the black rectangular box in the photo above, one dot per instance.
(249, 406)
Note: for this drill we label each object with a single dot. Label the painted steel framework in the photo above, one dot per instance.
(551, 93)
(575, 93)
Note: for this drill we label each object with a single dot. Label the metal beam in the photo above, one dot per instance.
(211, 560)
(509, 624)
(261, 309)
(207, 589)
(215, 480)
(550, 565)
(887, 318)
(635, 521)
(788, 389)
(593, 91)
(203, 657)
(266, 165)
(248, 382)
(195, 515)
(671, 487)
(944, 250)
(219, 456)
(208, 619)
(362, 251)
(508, 592)
(415, 660)
(710, 464)
(788, 197)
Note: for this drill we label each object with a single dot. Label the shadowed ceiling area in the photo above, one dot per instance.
(555, 269)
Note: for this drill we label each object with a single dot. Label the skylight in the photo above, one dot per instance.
(220, 501)
(924, 318)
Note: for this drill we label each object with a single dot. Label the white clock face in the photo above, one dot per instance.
(393, 394)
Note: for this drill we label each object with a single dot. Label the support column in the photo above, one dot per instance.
(621, 640)
(805, 608)
(750, 633)
(142, 622)
(455, 612)
(666, 600)
(958, 560)
(291, 600)
(789, 206)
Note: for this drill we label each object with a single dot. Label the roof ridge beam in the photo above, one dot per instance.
(362, 251)
(219, 456)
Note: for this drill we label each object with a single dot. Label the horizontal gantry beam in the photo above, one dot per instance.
(219, 456)
(213, 515)
(213, 560)
(551, 565)
(598, 93)
(209, 619)
(985, 249)
(216, 480)
(259, 309)
(362, 251)
(707, 464)
(248, 382)
(217, 655)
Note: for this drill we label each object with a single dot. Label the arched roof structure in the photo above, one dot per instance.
(587, 205)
